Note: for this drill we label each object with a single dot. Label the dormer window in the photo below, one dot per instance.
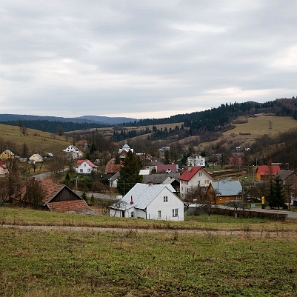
(165, 198)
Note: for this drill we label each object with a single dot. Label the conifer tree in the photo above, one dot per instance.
(129, 173)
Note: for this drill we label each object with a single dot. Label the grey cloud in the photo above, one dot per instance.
(140, 57)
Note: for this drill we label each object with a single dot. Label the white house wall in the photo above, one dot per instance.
(85, 167)
(166, 208)
(186, 186)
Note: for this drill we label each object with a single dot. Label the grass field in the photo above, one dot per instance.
(129, 262)
(258, 126)
(20, 216)
(36, 140)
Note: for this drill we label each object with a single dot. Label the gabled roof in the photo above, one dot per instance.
(159, 178)
(111, 167)
(284, 174)
(9, 152)
(165, 167)
(227, 188)
(191, 172)
(38, 156)
(142, 195)
(51, 190)
(79, 162)
(268, 170)
(71, 205)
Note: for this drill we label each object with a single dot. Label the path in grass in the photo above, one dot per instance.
(244, 231)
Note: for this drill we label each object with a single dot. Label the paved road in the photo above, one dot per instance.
(290, 214)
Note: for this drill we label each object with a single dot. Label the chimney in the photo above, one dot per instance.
(131, 201)
(150, 183)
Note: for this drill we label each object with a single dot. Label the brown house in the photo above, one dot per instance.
(222, 191)
(56, 197)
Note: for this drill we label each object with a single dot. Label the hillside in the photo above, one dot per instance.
(36, 140)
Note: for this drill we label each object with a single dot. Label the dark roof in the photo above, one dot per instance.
(284, 174)
(159, 177)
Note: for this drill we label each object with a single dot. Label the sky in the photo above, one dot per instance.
(144, 58)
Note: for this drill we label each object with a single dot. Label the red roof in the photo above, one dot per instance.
(79, 162)
(164, 167)
(268, 170)
(51, 190)
(112, 168)
(71, 205)
(188, 174)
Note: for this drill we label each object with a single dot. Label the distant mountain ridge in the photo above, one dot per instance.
(103, 120)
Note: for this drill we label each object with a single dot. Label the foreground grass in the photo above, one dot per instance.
(57, 263)
(20, 216)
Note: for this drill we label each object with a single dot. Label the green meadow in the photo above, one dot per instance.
(145, 258)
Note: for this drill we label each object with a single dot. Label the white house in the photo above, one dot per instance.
(73, 152)
(126, 148)
(85, 167)
(196, 160)
(193, 177)
(148, 201)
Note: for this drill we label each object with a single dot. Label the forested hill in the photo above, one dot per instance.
(215, 119)
(218, 118)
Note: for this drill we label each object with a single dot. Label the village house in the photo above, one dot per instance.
(266, 172)
(85, 167)
(221, 191)
(7, 154)
(196, 160)
(3, 169)
(194, 177)
(163, 178)
(36, 158)
(159, 167)
(288, 177)
(56, 197)
(73, 152)
(124, 151)
(111, 167)
(147, 201)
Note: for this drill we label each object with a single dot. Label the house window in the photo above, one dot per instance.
(206, 181)
(198, 182)
(89, 170)
(132, 214)
(165, 198)
(85, 165)
(81, 170)
(200, 174)
(159, 214)
(175, 212)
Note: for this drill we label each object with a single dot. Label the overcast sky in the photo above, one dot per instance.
(144, 58)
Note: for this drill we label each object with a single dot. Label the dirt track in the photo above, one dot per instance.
(261, 234)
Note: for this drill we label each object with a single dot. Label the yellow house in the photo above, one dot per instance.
(7, 154)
